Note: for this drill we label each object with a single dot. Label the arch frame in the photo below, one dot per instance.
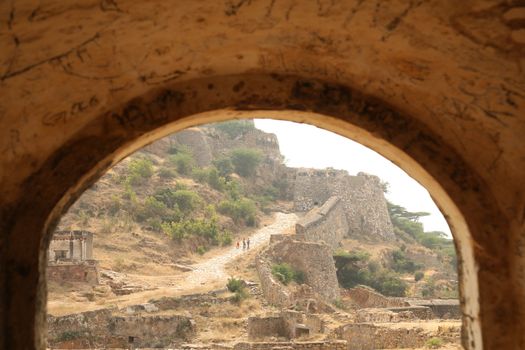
(458, 190)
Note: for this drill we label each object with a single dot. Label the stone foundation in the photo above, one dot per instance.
(364, 336)
(319, 345)
(72, 272)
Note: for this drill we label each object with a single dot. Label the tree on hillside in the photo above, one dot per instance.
(246, 160)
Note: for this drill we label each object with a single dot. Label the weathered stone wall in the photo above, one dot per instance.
(324, 224)
(441, 308)
(366, 297)
(72, 272)
(307, 345)
(364, 336)
(362, 196)
(312, 258)
(269, 326)
(274, 291)
(100, 328)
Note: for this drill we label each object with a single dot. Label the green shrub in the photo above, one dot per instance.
(215, 180)
(226, 239)
(245, 161)
(285, 273)
(152, 208)
(239, 296)
(234, 284)
(239, 210)
(142, 167)
(167, 173)
(418, 276)
(402, 264)
(434, 343)
(429, 289)
(234, 128)
(200, 174)
(183, 162)
(207, 229)
(354, 268)
(201, 250)
(186, 200)
(224, 165)
(388, 283)
(138, 171)
(237, 286)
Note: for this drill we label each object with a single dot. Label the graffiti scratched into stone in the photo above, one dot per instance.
(77, 108)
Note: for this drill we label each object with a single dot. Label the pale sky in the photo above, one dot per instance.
(308, 146)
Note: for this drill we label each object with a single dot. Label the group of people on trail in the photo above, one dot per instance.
(245, 244)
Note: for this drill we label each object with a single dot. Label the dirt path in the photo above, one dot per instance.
(206, 275)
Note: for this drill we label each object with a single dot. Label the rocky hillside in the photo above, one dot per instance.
(210, 186)
(186, 193)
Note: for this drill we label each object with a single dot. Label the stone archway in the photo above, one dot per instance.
(436, 86)
(117, 133)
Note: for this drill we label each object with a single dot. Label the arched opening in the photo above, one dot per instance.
(398, 137)
(166, 166)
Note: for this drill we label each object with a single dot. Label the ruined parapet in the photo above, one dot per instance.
(314, 259)
(362, 197)
(324, 224)
(366, 297)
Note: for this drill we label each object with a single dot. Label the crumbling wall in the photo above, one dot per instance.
(312, 258)
(362, 197)
(366, 297)
(326, 223)
(306, 345)
(441, 308)
(269, 326)
(72, 272)
(274, 291)
(364, 336)
(101, 329)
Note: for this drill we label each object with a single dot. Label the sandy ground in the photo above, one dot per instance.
(208, 274)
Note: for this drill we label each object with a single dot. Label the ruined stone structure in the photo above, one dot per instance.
(97, 329)
(313, 259)
(71, 246)
(289, 324)
(70, 257)
(296, 345)
(85, 271)
(438, 87)
(366, 336)
(362, 198)
(366, 297)
(326, 223)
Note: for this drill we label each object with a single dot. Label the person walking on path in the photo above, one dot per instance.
(243, 244)
(237, 244)
(248, 244)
